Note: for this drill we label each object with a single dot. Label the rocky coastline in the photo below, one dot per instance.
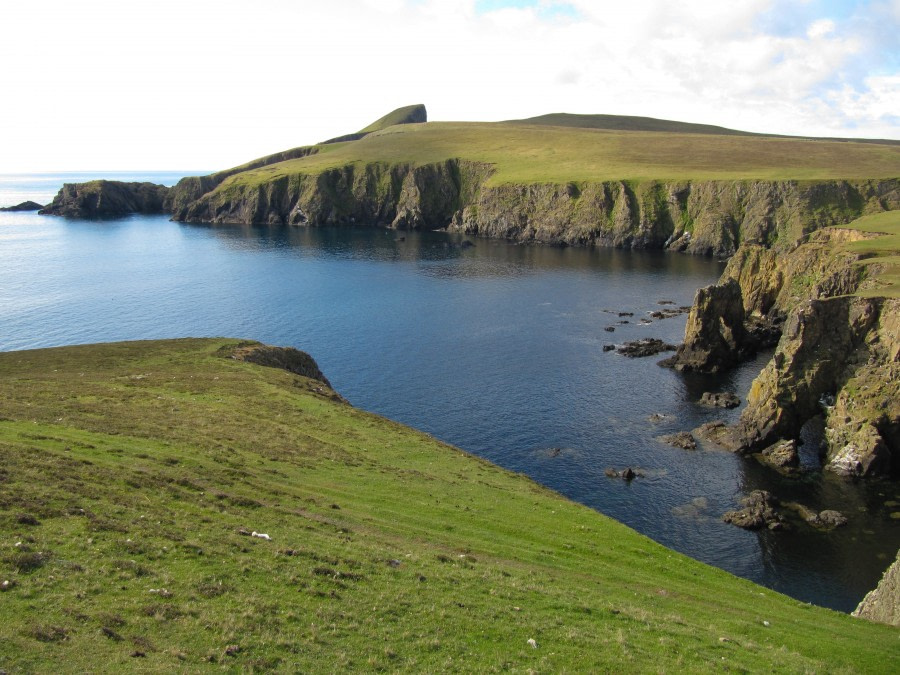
(838, 354)
(788, 282)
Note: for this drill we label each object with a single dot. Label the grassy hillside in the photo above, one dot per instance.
(884, 250)
(628, 123)
(522, 153)
(132, 474)
(632, 123)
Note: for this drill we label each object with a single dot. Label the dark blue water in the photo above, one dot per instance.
(495, 348)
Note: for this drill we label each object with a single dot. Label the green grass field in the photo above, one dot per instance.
(523, 153)
(132, 473)
(883, 249)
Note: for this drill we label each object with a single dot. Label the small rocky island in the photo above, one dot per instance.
(24, 206)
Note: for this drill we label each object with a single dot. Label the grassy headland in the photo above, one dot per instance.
(532, 153)
(132, 474)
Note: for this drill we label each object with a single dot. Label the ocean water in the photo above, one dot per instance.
(496, 348)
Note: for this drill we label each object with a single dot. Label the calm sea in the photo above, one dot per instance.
(495, 348)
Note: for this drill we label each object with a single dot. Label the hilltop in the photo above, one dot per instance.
(134, 476)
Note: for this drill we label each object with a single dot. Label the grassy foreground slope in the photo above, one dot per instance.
(131, 475)
(529, 153)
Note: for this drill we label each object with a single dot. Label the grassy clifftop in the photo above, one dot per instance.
(530, 153)
(133, 475)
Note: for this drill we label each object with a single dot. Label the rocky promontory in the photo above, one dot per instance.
(107, 198)
(838, 354)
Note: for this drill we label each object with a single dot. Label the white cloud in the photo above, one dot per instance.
(820, 28)
(170, 84)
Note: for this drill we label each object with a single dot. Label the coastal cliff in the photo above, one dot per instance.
(100, 198)
(699, 217)
(838, 355)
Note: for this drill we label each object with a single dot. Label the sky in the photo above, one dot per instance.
(209, 84)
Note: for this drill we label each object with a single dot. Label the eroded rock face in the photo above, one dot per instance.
(714, 338)
(844, 345)
(285, 358)
(883, 603)
(107, 198)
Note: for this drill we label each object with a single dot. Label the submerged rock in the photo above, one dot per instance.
(627, 474)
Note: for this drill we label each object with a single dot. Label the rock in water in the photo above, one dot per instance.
(781, 455)
(883, 603)
(715, 330)
(644, 347)
(24, 206)
(107, 198)
(758, 512)
(725, 399)
(682, 440)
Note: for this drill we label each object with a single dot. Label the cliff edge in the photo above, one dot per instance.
(883, 603)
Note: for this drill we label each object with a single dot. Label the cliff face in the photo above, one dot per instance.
(838, 355)
(102, 198)
(700, 217)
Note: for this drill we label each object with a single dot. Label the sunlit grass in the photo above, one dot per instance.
(542, 154)
(884, 249)
(131, 475)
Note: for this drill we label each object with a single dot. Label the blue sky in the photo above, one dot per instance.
(165, 84)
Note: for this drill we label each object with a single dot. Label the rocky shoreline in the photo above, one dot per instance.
(837, 356)
(787, 282)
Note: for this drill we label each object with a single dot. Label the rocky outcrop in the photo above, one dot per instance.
(24, 206)
(883, 603)
(680, 439)
(107, 198)
(759, 511)
(782, 456)
(837, 356)
(845, 349)
(286, 358)
(636, 349)
(719, 334)
(720, 399)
